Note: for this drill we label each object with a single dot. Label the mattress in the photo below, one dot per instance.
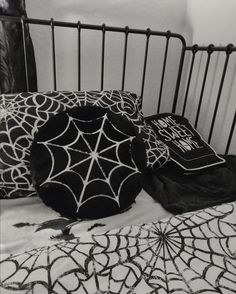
(132, 252)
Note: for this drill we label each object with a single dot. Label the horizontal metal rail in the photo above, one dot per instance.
(206, 48)
(91, 27)
(147, 33)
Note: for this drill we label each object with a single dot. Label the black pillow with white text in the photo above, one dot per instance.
(188, 150)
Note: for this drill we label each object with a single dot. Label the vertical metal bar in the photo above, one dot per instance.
(181, 63)
(163, 70)
(125, 57)
(53, 55)
(209, 51)
(25, 53)
(231, 133)
(228, 52)
(79, 56)
(145, 63)
(194, 51)
(103, 55)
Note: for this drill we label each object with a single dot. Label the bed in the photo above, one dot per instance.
(96, 197)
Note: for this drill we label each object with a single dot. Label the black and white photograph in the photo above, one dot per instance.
(117, 147)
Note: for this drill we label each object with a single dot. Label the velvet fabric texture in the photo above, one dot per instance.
(87, 163)
(12, 69)
(21, 116)
(180, 193)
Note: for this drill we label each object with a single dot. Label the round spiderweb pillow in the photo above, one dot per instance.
(87, 163)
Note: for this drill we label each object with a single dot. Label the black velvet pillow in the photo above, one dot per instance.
(187, 148)
(21, 115)
(86, 162)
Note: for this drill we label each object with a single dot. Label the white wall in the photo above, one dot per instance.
(213, 22)
(156, 14)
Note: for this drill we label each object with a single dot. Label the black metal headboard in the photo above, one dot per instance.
(186, 64)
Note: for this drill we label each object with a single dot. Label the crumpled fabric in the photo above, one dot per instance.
(12, 64)
(179, 193)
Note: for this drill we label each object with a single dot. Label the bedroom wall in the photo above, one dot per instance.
(156, 14)
(213, 21)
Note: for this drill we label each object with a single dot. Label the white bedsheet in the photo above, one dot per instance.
(27, 223)
(189, 253)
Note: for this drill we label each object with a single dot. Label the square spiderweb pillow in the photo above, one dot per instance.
(86, 162)
(188, 151)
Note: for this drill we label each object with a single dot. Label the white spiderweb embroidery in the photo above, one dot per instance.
(84, 149)
(190, 253)
(157, 152)
(21, 115)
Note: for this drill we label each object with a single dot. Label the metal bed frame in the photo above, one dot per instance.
(193, 50)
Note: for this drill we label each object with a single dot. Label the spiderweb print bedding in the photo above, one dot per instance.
(21, 115)
(189, 253)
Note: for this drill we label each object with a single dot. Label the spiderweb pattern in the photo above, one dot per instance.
(190, 253)
(90, 159)
(21, 115)
(157, 153)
